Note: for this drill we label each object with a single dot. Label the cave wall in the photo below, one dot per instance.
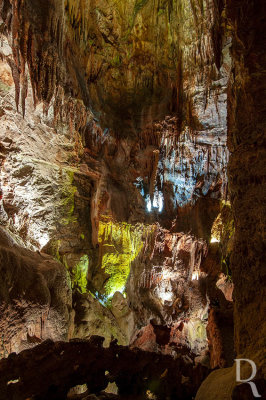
(246, 142)
(35, 297)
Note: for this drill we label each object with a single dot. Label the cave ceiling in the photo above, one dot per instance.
(131, 63)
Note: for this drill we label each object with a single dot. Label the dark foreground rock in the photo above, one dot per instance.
(51, 369)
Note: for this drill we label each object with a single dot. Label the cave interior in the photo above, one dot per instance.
(132, 199)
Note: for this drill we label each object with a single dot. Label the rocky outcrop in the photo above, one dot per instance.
(92, 318)
(35, 297)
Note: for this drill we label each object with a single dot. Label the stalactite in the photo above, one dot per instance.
(24, 92)
(36, 54)
(16, 78)
(149, 279)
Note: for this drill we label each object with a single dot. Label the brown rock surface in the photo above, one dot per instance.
(246, 141)
(92, 318)
(35, 297)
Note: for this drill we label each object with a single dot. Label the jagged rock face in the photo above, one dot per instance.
(171, 287)
(131, 63)
(92, 318)
(37, 172)
(164, 286)
(202, 80)
(35, 297)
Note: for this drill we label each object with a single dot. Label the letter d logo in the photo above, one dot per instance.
(253, 374)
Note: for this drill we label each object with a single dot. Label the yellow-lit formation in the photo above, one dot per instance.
(120, 244)
(80, 275)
